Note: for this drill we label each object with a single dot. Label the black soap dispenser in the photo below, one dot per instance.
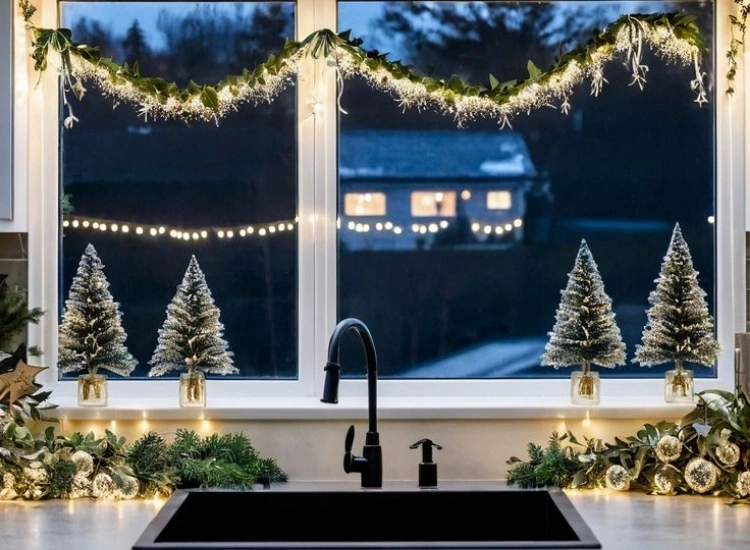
(427, 468)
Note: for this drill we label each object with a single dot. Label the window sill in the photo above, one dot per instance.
(389, 408)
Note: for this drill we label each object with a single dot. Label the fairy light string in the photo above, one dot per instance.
(674, 38)
(481, 229)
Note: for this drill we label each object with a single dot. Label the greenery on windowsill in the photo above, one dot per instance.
(706, 453)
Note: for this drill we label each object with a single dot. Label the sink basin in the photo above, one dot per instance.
(382, 518)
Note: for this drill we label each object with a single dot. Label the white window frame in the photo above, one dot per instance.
(35, 158)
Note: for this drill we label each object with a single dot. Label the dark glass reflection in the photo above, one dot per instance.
(619, 170)
(122, 167)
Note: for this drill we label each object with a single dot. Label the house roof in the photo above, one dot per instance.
(375, 154)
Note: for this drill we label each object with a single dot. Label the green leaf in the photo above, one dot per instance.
(210, 98)
(535, 73)
(494, 82)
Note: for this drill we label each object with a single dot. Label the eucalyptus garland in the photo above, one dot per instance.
(673, 37)
(737, 40)
(706, 453)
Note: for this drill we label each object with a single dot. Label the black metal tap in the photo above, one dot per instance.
(370, 464)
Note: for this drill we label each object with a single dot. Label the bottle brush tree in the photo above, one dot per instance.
(91, 334)
(585, 331)
(679, 327)
(191, 338)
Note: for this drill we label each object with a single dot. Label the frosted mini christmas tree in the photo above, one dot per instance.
(679, 328)
(91, 335)
(191, 338)
(585, 331)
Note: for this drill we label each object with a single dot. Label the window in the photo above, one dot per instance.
(476, 299)
(460, 281)
(499, 200)
(433, 203)
(364, 204)
(225, 193)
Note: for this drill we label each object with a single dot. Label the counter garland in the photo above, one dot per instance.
(706, 453)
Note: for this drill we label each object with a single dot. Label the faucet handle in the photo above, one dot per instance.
(348, 456)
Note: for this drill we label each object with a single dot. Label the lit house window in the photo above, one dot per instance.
(499, 200)
(364, 204)
(433, 203)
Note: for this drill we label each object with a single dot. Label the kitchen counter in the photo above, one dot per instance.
(620, 521)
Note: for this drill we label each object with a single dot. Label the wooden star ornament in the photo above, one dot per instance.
(19, 382)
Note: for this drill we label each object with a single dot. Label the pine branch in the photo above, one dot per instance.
(15, 315)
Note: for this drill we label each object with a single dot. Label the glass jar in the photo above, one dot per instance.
(679, 386)
(192, 389)
(584, 387)
(92, 390)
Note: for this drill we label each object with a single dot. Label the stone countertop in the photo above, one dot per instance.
(620, 521)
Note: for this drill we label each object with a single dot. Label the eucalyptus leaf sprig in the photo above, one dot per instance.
(739, 27)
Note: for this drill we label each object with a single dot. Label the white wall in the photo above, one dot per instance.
(313, 450)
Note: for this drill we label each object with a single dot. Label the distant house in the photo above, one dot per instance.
(403, 190)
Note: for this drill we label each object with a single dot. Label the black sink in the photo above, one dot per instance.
(194, 519)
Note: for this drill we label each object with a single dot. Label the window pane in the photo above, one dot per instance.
(498, 200)
(476, 298)
(433, 203)
(224, 191)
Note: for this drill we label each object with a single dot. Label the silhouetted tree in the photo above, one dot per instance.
(455, 38)
(135, 49)
(91, 32)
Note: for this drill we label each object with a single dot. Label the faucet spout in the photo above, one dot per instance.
(370, 465)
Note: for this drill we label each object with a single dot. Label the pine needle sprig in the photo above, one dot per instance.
(267, 471)
(553, 466)
(186, 444)
(15, 314)
(148, 459)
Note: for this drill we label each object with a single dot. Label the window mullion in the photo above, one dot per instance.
(317, 146)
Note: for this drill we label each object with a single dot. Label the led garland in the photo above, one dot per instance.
(271, 228)
(673, 37)
(177, 233)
